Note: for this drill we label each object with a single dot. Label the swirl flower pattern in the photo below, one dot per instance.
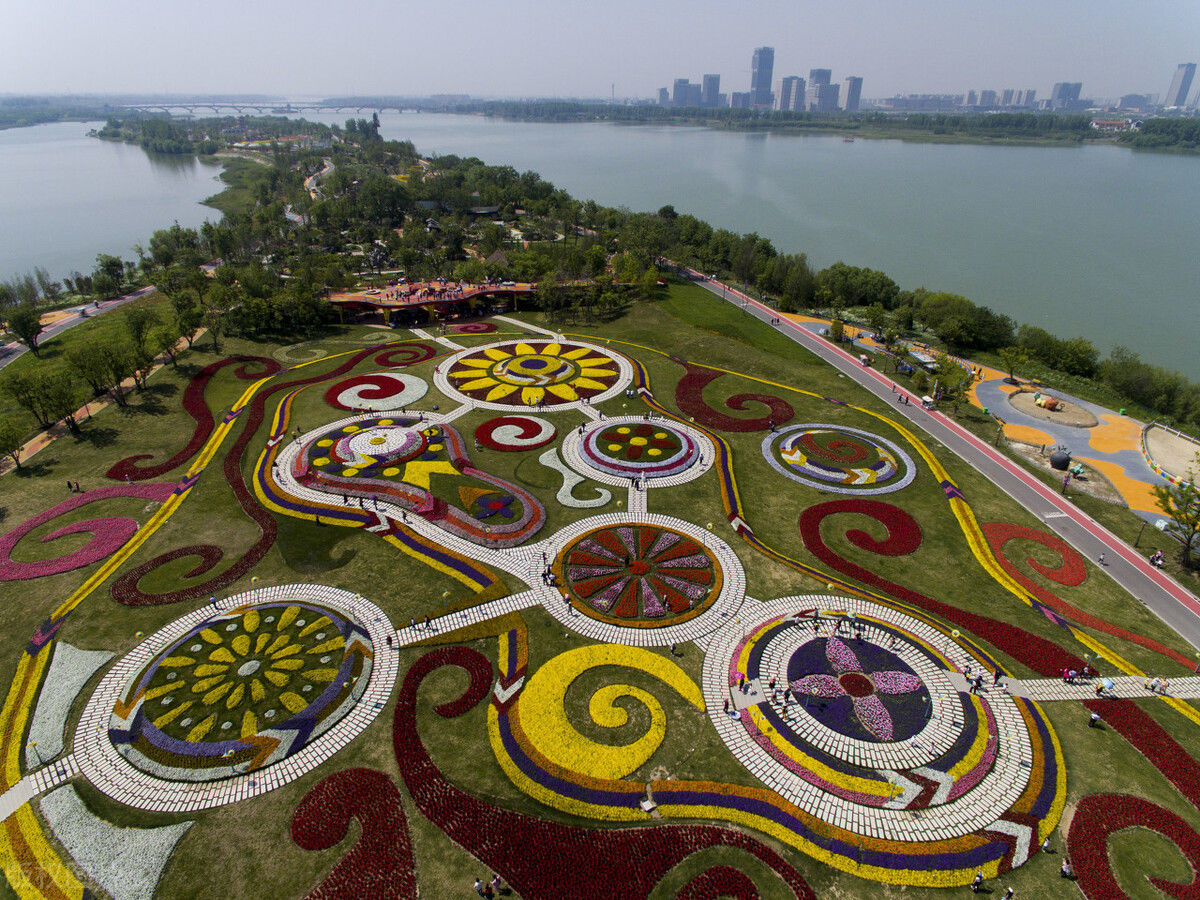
(534, 373)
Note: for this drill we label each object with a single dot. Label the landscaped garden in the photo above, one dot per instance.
(661, 606)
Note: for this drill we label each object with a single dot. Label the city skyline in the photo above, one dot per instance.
(370, 47)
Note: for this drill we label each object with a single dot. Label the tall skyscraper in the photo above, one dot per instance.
(1181, 85)
(762, 68)
(711, 91)
(1065, 94)
(664, 97)
(972, 98)
(852, 94)
(694, 93)
(791, 94)
(987, 98)
(679, 93)
(819, 76)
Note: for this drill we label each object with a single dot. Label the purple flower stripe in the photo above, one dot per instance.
(625, 533)
(692, 591)
(609, 595)
(823, 685)
(874, 716)
(580, 573)
(895, 682)
(841, 657)
(695, 561)
(591, 545)
(651, 605)
(666, 539)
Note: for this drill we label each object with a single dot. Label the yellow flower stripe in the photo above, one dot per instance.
(548, 728)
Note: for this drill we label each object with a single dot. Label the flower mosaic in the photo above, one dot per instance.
(242, 689)
(515, 433)
(377, 391)
(633, 449)
(839, 459)
(640, 575)
(524, 374)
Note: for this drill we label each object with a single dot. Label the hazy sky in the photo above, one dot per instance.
(560, 47)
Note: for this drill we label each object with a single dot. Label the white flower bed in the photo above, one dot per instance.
(70, 670)
(126, 862)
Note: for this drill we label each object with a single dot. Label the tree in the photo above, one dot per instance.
(876, 317)
(61, 400)
(1180, 501)
(12, 438)
(953, 379)
(163, 340)
(26, 323)
(1013, 358)
(91, 362)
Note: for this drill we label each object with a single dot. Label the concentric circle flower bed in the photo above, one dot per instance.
(645, 576)
(512, 433)
(377, 392)
(839, 458)
(523, 374)
(639, 449)
(242, 689)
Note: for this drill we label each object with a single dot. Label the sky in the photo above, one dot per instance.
(315, 48)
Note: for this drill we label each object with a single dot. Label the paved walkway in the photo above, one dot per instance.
(1177, 607)
(15, 349)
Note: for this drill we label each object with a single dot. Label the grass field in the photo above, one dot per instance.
(258, 856)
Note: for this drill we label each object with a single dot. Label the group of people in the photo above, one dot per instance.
(1157, 559)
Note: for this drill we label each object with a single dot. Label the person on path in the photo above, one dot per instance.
(996, 677)
(977, 883)
(1008, 894)
(1065, 870)
(478, 887)
(428, 624)
(1094, 720)
(726, 706)
(1066, 481)
(1046, 846)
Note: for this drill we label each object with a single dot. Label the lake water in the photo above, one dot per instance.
(1093, 241)
(64, 197)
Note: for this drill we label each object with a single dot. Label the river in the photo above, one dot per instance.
(1096, 241)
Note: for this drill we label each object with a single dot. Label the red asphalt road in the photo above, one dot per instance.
(1164, 596)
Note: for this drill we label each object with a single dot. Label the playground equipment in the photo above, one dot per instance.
(1045, 401)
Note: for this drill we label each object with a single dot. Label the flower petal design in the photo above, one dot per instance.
(895, 682)
(874, 716)
(818, 686)
(841, 657)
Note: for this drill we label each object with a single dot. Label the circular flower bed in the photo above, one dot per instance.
(377, 392)
(639, 575)
(839, 459)
(242, 689)
(521, 374)
(515, 433)
(639, 449)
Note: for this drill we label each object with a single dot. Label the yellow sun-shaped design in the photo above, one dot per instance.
(551, 373)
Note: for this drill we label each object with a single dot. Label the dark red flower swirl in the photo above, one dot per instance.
(689, 397)
(250, 368)
(719, 881)
(404, 355)
(603, 862)
(381, 862)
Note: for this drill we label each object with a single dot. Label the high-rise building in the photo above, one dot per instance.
(694, 93)
(819, 76)
(679, 93)
(987, 98)
(762, 68)
(972, 98)
(711, 90)
(1006, 96)
(740, 99)
(1065, 94)
(664, 97)
(823, 97)
(852, 94)
(791, 94)
(1181, 85)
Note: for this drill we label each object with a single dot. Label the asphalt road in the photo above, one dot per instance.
(14, 350)
(1165, 597)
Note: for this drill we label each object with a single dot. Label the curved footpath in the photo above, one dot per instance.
(15, 349)
(1165, 597)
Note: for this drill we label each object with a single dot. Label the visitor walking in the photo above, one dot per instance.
(977, 883)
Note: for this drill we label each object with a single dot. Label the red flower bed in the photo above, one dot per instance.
(473, 328)
(689, 397)
(398, 357)
(539, 858)
(1152, 741)
(108, 534)
(904, 537)
(510, 433)
(126, 590)
(719, 881)
(381, 862)
(1071, 573)
(1100, 816)
(194, 406)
